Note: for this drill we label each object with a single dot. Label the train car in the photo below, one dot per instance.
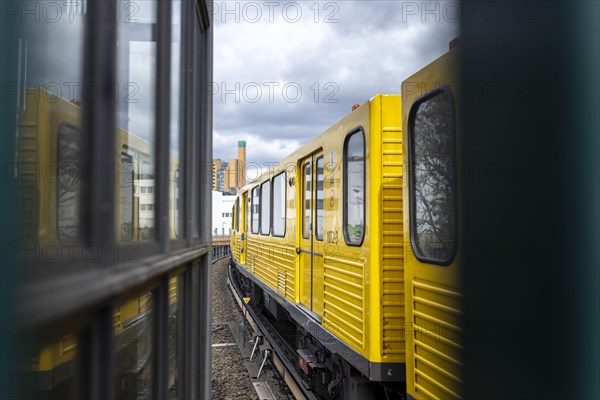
(320, 238)
(430, 122)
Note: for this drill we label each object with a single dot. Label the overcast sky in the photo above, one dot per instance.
(285, 71)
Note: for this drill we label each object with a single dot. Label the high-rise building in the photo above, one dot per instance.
(219, 175)
(228, 177)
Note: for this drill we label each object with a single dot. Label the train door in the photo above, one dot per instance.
(432, 270)
(311, 234)
(242, 210)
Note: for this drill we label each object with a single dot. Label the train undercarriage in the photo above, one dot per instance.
(321, 373)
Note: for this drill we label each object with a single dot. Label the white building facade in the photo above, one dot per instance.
(222, 206)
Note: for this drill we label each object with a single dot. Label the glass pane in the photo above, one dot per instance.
(48, 371)
(319, 194)
(307, 215)
(433, 178)
(238, 213)
(126, 203)
(279, 205)
(133, 346)
(265, 208)
(49, 95)
(176, 202)
(175, 332)
(136, 77)
(255, 208)
(355, 188)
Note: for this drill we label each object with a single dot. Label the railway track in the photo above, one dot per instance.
(270, 343)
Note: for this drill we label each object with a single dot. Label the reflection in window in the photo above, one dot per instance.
(320, 195)
(133, 348)
(255, 208)
(146, 199)
(433, 187)
(175, 331)
(265, 208)
(279, 205)
(354, 182)
(176, 204)
(68, 182)
(136, 75)
(126, 197)
(306, 201)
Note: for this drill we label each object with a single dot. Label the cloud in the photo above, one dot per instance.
(283, 78)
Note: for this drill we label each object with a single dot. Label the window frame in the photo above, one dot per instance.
(252, 211)
(358, 129)
(441, 90)
(284, 204)
(309, 164)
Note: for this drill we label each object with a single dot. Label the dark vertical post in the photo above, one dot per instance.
(160, 361)
(98, 128)
(163, 119)
(205, 184)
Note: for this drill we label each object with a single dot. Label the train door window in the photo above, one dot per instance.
(354, 188)
(126, 205)
(279, 198)
(306, 201)
(255, 208)
(432, 186)
(237, 214)
(319, 194)
(265, 208)
(68, 183)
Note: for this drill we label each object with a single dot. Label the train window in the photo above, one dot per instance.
(255, 208)
(432, 186)
(354, 188)
(126, 205)
(68, 182)
(306, 201)
(265, 208)
(279, 197)
(319, 199)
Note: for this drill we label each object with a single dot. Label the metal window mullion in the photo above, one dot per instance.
(205, 151)
(95, 358)
(98, 129)
(160, 360)
(188, 121)
(162, 115)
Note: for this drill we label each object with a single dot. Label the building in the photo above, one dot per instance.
(222, 208)
(235, 175)
(219, 173)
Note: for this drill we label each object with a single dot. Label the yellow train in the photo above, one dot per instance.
(354, 236)
(49, 175)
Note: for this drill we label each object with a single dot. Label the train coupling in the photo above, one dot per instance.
(308, 361)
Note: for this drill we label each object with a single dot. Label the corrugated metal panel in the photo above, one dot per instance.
(343, 299)
(272, 263)
(392, 285)
(437, 340)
